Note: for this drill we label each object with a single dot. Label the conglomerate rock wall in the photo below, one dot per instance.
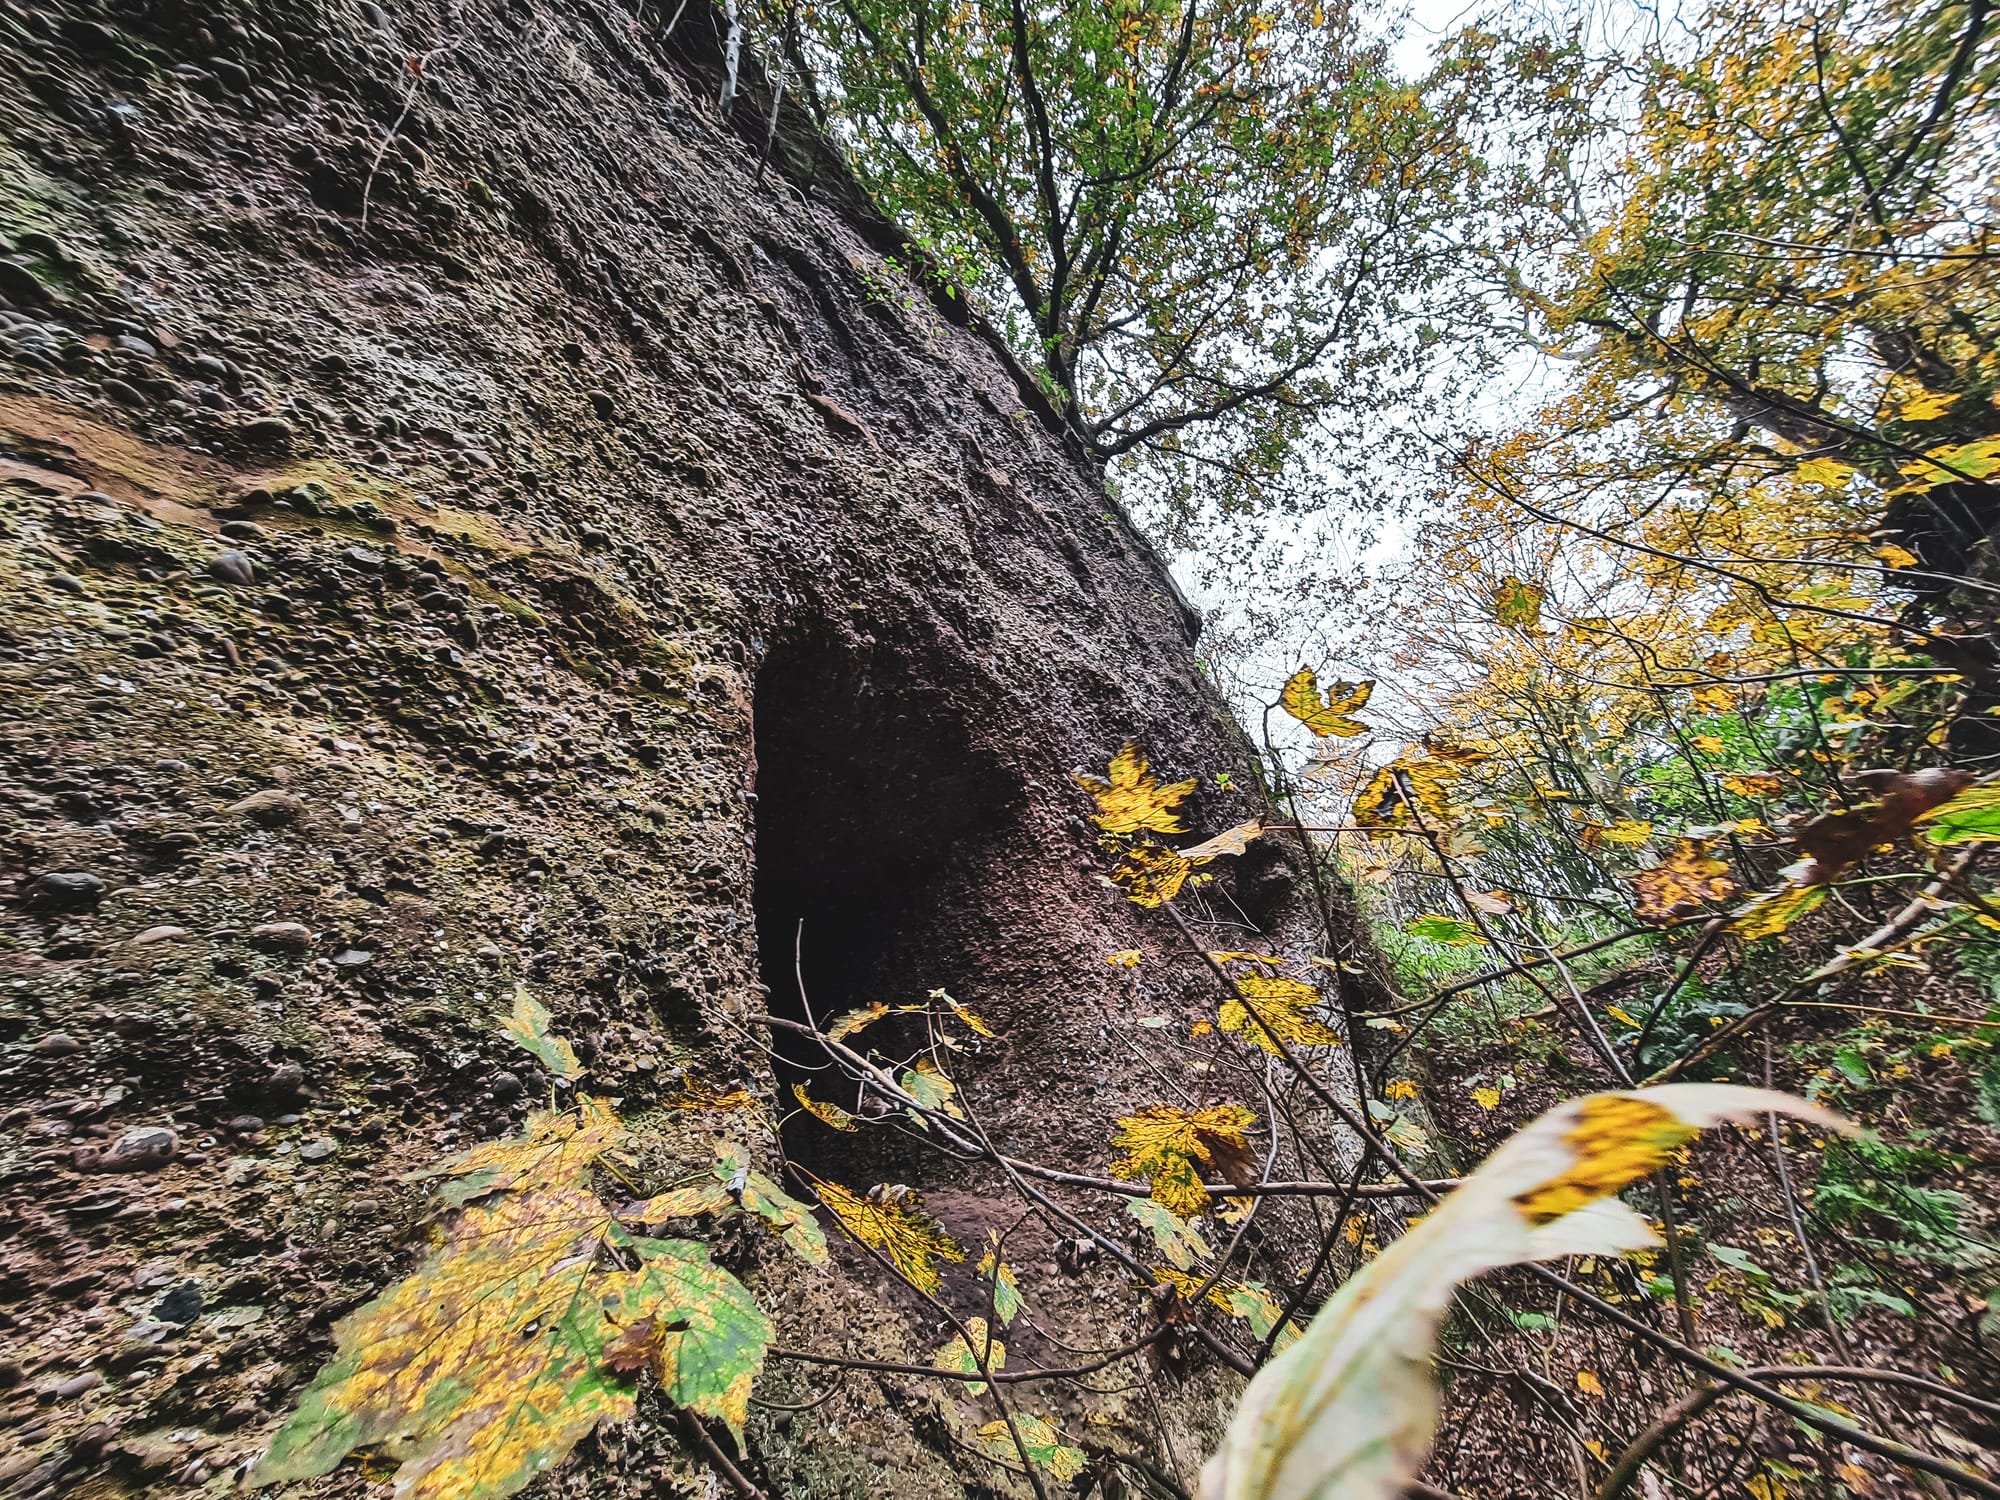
(471, 523)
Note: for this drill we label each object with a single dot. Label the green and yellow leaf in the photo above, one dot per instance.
(528, 1027)
(963, 1358)
(1280, 1006)
(1972, 817)
(909, 1239)
(1168, 1147)
(1046, 1449)
(931, 1089)
(827, 1114)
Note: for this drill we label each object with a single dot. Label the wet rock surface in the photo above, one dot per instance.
(400, 612)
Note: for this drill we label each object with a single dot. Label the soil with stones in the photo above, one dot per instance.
(471, 521)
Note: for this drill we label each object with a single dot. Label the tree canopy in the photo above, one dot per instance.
(1210, 227)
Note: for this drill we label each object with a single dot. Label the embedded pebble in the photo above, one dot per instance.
(66, 890)
(232, 567)
(284, 937)
(271, 808)
(145, 1148)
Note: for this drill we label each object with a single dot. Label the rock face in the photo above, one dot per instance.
(466, 525)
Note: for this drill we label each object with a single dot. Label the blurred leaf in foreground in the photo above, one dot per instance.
(1348, 1411)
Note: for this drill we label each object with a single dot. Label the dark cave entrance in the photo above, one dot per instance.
(878, 822)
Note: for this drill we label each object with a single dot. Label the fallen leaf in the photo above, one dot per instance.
(528, 1026)
(1152, 874)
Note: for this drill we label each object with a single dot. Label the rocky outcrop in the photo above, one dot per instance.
(467, 523)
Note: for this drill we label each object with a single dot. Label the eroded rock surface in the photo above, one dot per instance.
(465, 525)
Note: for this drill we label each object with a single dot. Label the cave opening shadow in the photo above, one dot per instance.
(878, 824)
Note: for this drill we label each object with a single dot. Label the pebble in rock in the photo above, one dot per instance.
(66, 890)
(160, 935)
(286, 1075)
(318, 1150)
(181, 1305)
(232, 567)
(363, 558)
(245, 1124)
(245, 531)
(272, 432)
(353, 958)
(124, 393)
(270, 808)
(283, 937)
(146, 1148)
(57, 1044)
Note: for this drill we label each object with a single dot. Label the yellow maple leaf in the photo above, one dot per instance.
(1187, 1283)
(1627, 831)
(1588, 1383)
(846, 1025)
(1686, 878)
(970, 1017)
(1896, 557)
(1281, 1006)
(1168, 1147)
(1712, 699)
(1401, 1088)
(1132, 800)
(1486, 1097)
(1328, 716)
(1152, 874)
(1125, 958)
(1708, 744)
(1825, 472)
(1925, 406)
(1403, 785)
(1772, 912)
(1754, 784)
(906, 1237)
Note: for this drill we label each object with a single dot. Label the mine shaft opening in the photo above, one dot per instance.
(877, 823)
